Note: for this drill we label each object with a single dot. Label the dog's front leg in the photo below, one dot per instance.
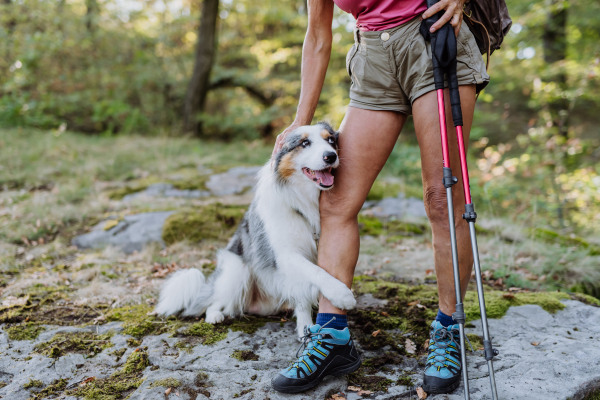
(298, 269)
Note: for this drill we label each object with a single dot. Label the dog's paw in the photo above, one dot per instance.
(339, 295)
(214, 317)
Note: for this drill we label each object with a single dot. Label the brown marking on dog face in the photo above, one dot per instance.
(286, 165)
(325, 134)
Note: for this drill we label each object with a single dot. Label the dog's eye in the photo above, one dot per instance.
(331, 140)
(305, 143)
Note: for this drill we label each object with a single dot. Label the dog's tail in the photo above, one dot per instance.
(186, 291)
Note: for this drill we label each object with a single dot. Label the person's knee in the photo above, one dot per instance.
(436, 206)
(334, 207)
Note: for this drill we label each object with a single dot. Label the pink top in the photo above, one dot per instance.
(379, 15)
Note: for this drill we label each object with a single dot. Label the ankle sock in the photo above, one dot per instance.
(339, 323)
(445, 320)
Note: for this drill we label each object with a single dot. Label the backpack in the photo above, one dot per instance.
(489, 22)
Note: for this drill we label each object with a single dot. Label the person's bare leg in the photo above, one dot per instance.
(427, 127)
(366, 140)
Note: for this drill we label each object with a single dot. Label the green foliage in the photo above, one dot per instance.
(166, 382)
(55, 388)
(33, 383)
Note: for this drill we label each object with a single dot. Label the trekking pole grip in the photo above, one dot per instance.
(426, 24)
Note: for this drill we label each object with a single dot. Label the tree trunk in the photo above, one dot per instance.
(555, 51)
(91, 14)
(205, 54)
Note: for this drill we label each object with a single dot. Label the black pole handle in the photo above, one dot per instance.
(443, 57)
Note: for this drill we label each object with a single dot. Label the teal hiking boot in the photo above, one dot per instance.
(324, 352)
(443, 370)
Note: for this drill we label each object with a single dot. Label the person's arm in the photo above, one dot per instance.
(454, 14)
(315, 59)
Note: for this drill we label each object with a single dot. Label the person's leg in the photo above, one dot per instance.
(427, 127)
(442, 372)
(366, 140)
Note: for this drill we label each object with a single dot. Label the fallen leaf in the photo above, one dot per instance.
(168, 391)
(385, 314)
(85, 381)
(370, 272)
(177, 394)
(508, 296)
(411, 347)
(338, 397)
(376, 332)
(428, 272)
(535, 343)
(426, 345)
(421, 306)
(498, 282)
(514, 289)
(354, 389)
(386, 260)
(283, 320)
(364, 393)
(421, 393)
(414, 303)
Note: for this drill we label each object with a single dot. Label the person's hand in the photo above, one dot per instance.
(454, 14)
(281, 139)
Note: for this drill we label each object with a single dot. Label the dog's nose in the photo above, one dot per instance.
(329, 157)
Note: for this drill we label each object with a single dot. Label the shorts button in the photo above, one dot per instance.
(385, 36)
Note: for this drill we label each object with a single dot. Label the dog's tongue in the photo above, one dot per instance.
(325, 177)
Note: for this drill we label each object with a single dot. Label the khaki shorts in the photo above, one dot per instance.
(391, 74)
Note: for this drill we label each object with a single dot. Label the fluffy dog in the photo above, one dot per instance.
(270, 262)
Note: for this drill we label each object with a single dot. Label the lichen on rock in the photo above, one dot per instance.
(26, 331)
(86, 343)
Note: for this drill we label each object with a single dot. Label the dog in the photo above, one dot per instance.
(269, 264)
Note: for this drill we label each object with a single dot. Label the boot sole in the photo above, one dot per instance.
(339, 371)
(441, 390)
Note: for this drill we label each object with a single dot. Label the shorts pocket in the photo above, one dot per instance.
(349, 58)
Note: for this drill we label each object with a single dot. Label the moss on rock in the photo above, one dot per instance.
(245, 355)
(214, 221)
(119, 384)
(208, 333)
(373, 226)
(166, 382)
(56, 387)
(555, 237)
(374, 383)
(497, 304)
(86, 343)
(33, 383)
(138, 321)
(27, 331)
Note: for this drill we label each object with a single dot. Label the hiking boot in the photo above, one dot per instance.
(324, 352)
(443, 369)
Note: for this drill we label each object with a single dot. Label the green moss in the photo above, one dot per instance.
(208, 333)
(214, 221)
(373, 226)
(137, 322)
(56, 387)
(119, 384)
(201, 379)
(586, 298)
(27, 331)
(555, 237)
(118, 353)
(476, 341)
(196, 182)
(131, 342)
(86, 343)
(595, 395)
(587, 288)
(132, 187)
(497, 304)
(245, 355)
(382, 189)
(373, 383)
(166, 382)
(33, 383)
(405, 380)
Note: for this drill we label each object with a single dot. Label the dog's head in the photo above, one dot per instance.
(309, 152)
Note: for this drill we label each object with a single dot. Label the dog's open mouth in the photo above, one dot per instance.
(323, 178)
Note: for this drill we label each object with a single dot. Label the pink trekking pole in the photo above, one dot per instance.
(443, 49)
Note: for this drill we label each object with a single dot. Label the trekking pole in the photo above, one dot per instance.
(441, 60)
(443, 48)
(471, 216)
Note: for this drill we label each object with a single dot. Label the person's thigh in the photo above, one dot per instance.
(366, 140)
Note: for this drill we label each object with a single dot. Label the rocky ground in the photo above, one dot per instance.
(81, 273)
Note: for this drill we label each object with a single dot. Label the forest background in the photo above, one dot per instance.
(228, 72)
